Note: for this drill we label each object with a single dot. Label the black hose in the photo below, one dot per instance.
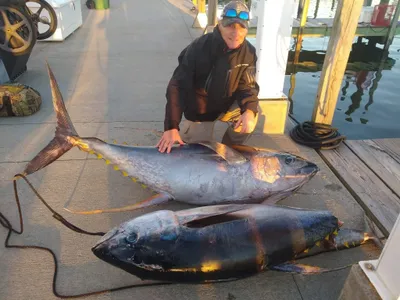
(317, 135)
(7, 225)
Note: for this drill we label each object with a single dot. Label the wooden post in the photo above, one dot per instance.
(340, 43)
(304, 12)
(212, 12)
(211, 16)
(316, 9)
(392, 30)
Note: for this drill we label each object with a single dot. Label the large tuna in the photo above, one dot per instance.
(201, 174)
(221, 242)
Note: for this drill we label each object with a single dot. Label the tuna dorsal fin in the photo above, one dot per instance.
(231, 156)
(208, 215)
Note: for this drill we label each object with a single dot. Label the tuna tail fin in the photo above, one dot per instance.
(62, 141)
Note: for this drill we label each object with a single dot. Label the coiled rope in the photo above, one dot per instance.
(316, 135)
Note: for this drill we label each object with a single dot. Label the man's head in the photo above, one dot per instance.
(234, 23)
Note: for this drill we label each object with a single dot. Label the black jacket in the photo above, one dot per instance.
(209, 79)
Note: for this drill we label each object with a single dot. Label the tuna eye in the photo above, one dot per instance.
(289, 160)
(132, 238)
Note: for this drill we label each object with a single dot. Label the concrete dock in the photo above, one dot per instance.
(113, 76)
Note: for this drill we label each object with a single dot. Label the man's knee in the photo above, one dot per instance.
(192, 132)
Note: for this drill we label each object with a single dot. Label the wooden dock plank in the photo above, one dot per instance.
(382, 158)
(378, 201)
(391, 146)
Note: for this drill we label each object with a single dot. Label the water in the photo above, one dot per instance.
(368, 105)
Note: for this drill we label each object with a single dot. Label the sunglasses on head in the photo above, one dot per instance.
(232, 13)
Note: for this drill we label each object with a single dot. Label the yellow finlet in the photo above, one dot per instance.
(318, 244)
(91, 152)
(125, 143)
(78, 143)
(134, 179)
(115, 141)
(107, 162)
(327, 237)
(116, 168)
(124, 173)
(144, 186)
(346, 244)
(306, 251)
(336, 232)
(99, 156)
(210, 266)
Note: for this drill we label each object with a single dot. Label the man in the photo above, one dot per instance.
(215, 80)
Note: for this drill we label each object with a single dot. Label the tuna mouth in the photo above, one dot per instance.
(109, 235)
(311, 169)
(148, 267)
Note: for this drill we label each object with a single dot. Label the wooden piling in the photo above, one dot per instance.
(339, 47)
(303, 9)
(392, 29)
(212, 12)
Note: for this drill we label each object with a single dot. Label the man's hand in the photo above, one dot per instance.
(246, 122)
(169, 138)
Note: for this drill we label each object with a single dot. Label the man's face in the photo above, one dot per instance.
(233, 35)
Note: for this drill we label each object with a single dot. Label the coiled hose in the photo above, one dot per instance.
(317, 135)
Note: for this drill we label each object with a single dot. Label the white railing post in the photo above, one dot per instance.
(384, 272)
(274, 31)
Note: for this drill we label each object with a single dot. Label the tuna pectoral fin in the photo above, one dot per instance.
(303, 269)
(271, 200)
(207, 215)
(231, 156)
(154, 200)
(297, 268)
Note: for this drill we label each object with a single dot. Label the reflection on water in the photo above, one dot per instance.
(368, 101)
